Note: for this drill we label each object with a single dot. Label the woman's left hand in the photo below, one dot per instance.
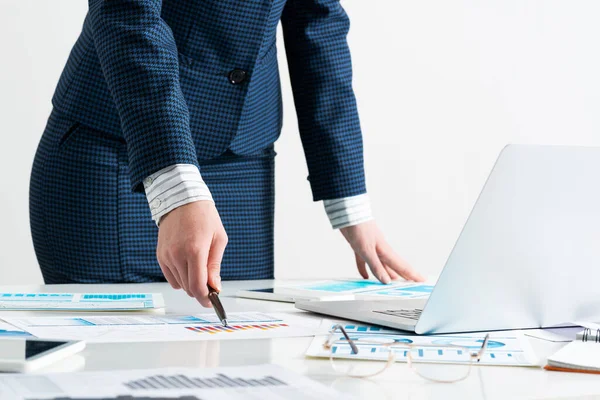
(371, 248)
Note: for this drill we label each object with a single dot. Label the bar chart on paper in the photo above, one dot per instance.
(240, 323)
(186, 382)
(124, 328)
(504, 348)
(216, 329)
(256, 382)
(7, 330)
(81, 301)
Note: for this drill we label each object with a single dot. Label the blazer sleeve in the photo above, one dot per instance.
(139, 61)
(321, 75)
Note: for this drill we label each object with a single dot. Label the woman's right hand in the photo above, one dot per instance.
(191, 242)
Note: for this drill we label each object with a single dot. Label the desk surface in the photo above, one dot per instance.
(397, 383)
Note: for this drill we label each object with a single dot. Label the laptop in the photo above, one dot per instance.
(527, 257)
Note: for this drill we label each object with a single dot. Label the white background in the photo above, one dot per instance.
(442, 87)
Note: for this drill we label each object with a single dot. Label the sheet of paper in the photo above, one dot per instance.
(558, 335)
(260, 382)
(577, 355)
(245, 325)
(81, 301)
(8, 330)
(585, 324)
(504, 348)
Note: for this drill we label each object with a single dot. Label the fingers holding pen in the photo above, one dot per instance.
(191, 243)
(198, 276)
(217, 248)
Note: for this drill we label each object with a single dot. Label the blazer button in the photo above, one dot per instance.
(237, 76)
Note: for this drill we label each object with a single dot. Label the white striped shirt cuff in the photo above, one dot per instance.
(181, 184)
(348, 211)
(174, 187)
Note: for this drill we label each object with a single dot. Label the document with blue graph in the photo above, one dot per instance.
(81, 301)
(509, 348)
(165, 328)
(10, 331)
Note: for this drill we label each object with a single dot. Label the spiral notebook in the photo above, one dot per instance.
(581, 355)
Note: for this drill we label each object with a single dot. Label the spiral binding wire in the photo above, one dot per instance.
(587, 335)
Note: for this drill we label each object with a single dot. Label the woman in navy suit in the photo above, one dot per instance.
(158, 159)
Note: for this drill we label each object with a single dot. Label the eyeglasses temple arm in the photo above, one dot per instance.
(350, 341)
(483, 347)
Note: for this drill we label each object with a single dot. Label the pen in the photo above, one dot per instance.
(213, 296)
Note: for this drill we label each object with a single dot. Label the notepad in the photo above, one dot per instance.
(581, 355)
(81, 301)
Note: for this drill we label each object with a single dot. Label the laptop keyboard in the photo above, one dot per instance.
(410, 313)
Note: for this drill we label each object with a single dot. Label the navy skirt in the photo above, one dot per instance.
(88, 227)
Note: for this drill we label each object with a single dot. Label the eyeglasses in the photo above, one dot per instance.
(363, 358)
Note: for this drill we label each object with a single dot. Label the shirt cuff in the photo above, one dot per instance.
(348, 211)
(174, 187)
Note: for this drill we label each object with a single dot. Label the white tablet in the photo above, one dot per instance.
(342, 289)
(283, 294)
(24, 355)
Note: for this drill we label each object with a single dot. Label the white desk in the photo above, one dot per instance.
(397, 383)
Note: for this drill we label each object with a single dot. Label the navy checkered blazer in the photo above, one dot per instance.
(185, 80)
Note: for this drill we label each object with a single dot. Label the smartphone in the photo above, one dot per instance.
(25, 355)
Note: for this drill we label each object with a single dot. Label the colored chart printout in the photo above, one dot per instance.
(80, 301)
(504, 348)
(7, 330)
(217, 329)
(245, 325)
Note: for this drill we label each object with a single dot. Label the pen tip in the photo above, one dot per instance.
(225, 322)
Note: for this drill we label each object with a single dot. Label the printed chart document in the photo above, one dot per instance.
(509, 348)
(261, 382)
(152, 328)
(81, 301)
(7, 330)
